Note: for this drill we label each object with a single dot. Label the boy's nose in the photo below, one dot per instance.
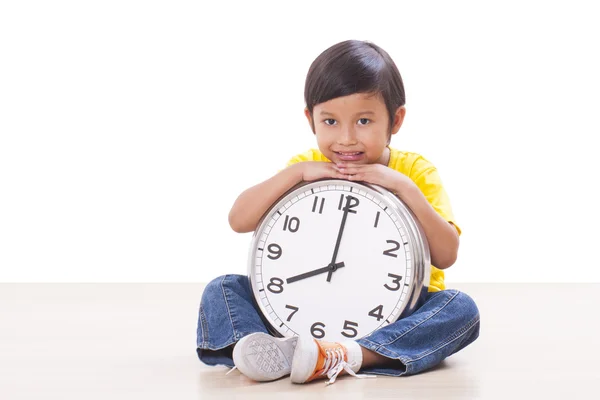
(347, 137)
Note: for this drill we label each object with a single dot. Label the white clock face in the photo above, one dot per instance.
(294, 249)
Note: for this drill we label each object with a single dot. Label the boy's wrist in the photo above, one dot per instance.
(297, 171)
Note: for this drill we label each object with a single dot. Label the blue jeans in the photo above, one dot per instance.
(444, 323)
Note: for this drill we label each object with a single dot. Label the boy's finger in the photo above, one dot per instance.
(343, 165)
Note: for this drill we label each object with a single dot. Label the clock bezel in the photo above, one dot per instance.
(419, 247)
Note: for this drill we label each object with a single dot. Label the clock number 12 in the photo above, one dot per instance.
(351, 203)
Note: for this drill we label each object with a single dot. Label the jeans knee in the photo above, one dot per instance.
(467, 305)
(215, 287)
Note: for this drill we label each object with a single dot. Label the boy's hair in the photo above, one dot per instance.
(350, 67)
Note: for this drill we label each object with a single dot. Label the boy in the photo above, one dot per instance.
(354, 102)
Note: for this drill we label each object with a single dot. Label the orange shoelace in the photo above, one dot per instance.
(333, 360)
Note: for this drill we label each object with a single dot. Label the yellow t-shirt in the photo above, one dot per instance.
(425, 176)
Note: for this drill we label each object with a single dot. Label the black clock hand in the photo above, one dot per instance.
(339, 238)
(315, 272)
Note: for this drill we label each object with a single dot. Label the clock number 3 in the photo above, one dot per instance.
(397, 279)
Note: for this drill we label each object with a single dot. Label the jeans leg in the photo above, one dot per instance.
(227, 313)
(447, 322)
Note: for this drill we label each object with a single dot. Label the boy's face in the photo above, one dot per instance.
(354, 128)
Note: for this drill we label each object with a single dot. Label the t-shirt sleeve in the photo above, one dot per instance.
(428, 180)
(310, 155)
(299, 158)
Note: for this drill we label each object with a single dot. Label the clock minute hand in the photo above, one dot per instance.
(339, 237)
(330, 267)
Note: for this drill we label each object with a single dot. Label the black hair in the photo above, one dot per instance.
(350, 67)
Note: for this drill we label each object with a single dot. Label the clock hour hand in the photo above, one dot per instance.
(330, 267)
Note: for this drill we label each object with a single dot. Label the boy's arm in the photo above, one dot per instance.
(442, 236)
(251, 205)
(254, 202)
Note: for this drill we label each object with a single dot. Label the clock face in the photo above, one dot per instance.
(306, 281)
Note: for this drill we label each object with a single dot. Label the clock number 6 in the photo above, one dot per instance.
(316, 330)
(349, 326)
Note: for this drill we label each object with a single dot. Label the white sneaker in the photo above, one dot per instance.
(262, 357)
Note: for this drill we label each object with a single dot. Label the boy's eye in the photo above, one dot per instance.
(329, 119)
(364, 121)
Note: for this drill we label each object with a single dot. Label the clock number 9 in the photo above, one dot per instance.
(316, 331)
(274, 248)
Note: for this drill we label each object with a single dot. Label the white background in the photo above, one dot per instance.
(128, 128)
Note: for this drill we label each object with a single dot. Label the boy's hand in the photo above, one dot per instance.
(374, 173)
(313, 170)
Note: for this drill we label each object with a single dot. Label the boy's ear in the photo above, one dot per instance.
(309, 118)
(398, 119)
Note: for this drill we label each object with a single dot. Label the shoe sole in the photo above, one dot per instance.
(305, 360)
(263, 358)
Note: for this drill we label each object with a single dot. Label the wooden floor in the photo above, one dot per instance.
(137, 341)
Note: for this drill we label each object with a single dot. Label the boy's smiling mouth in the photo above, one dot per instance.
(349, 155)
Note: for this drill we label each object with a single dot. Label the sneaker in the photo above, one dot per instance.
(315, 359)
(262, 357)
